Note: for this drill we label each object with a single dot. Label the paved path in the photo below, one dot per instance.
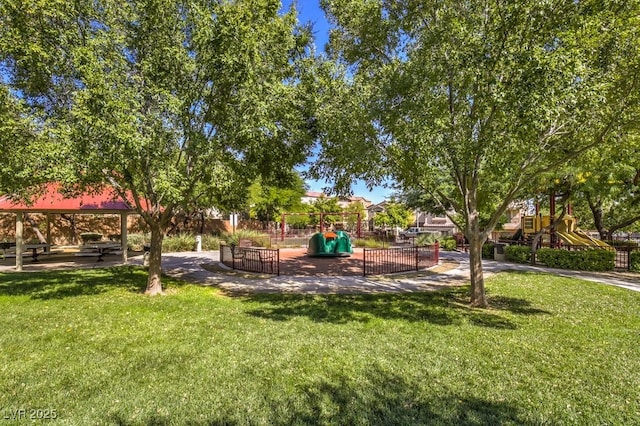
(189, 266)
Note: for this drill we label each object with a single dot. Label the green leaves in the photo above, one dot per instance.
(153, 94)
(470, 102)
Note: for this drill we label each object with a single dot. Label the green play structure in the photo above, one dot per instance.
(330, 244)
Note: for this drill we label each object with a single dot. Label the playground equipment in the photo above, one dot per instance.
(566, 230)
(322, 216)
(330, 244)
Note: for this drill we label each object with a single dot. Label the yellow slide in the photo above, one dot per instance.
(579, 238)
(573, 239)
(595, 241)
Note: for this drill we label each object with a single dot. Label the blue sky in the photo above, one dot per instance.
(309, 11)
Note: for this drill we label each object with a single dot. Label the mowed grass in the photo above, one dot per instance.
(90, 346)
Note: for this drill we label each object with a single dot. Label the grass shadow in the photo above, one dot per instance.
(390, 399)
(61, 284)
(382, 399)
(444, 307)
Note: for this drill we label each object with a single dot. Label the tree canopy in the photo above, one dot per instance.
(267, 202)
(170, 100)
(469, 101)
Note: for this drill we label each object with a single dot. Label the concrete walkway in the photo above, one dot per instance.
(189, 266)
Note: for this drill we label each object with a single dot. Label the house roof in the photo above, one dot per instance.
(314, 194)
(52, 201)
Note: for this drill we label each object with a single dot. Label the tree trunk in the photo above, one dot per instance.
(596, 210)
(34, 227)
(154, 283)
(534, 245)
(478, 298)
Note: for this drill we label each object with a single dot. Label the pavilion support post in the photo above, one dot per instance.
(19, 241)
(48, 230)
(123, 236)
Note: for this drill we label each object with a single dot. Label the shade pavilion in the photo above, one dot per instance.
(52, 201)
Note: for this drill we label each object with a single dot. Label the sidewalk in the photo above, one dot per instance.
(205, 268)
(454, 270)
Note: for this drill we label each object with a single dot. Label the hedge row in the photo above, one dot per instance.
(581, 260)
(634, 261)
(517, 254)
(488, 250)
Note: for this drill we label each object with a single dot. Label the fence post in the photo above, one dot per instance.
(364, 262)
(278, 262)
(436, 253)
(233, 257)
(417, 250)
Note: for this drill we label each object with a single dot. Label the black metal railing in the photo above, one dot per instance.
(623, 256)
(399, 259)
(247, 259)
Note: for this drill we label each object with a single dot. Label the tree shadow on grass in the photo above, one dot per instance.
(70, 283)
(445, 307)
(390, 399)
(382, 399)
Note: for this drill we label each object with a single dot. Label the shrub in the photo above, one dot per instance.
(580, 260)
(634, 261)
(517, 254)
(487, 250)
(425, 239)
(210, 242)
(448, 243)
(87, 237)
(257, 239)
(179, 242)
(369, 243)
(136, 242)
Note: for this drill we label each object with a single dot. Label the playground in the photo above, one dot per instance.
(296, 262)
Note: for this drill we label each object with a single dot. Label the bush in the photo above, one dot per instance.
(425, 239)
(179, 242)
(369, 243)
(88, 237)
(448, 243)
(210, 242)
(517, 254)
(581, 260)
(634, 261)
(488, 250)
(136, 242)
(257, 239)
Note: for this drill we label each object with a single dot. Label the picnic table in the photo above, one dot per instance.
(36, 250)
(99, 249)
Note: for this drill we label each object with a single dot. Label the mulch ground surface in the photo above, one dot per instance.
(296, 262)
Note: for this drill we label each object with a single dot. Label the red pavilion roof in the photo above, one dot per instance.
(53, 201)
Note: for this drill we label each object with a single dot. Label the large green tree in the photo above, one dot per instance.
(608, 191)
(473, 99)
(395, 215)
(268, 202)
(169, 101)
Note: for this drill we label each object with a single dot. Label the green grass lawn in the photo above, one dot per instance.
(90, 346)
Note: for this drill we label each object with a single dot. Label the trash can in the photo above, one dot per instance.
(498, 252)
(198, 243)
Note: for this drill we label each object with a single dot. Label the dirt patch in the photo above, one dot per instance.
(296, 262)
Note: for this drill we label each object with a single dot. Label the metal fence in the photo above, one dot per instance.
(251, 259)
(623, 256)
(399, 259)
